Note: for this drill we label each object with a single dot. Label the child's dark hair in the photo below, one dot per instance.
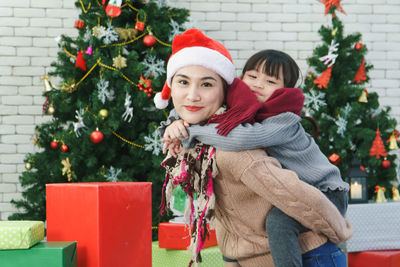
(274, 60)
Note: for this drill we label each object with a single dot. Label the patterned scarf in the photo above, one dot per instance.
(194, 171)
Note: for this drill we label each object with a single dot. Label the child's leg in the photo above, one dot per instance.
(283, 232)
(230, 263)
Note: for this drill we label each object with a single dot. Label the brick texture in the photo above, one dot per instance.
(28, 28)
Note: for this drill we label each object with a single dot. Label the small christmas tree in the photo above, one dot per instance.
(104, 120)
(348, 116)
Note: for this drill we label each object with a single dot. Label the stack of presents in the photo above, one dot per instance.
(109, 224)
(98, 225)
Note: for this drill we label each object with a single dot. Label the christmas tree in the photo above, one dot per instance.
(104, 122)
(351, 121)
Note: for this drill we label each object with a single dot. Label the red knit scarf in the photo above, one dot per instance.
(244, 107)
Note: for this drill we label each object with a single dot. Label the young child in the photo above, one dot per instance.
(271, 76)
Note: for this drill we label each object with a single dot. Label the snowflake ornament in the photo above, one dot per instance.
(103, 92)
(153, 66)
(153, 143)
(119, 62)
(87, 35)
(330, 59)
(110, 35)
(342, 125)
(112, 175)
(314, 100)
(128, 114)
(176, 29)
(80, 124)
(346, 110)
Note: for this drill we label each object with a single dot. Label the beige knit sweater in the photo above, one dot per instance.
(248, 185)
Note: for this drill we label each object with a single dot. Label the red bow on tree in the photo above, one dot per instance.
(331, 3)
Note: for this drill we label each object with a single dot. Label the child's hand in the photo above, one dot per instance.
(172, 137)
(175, 130)
(174, 148)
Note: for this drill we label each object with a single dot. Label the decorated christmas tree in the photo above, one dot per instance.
(352, 123)
(104, 122)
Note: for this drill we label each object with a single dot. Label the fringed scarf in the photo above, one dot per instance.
(194, 171)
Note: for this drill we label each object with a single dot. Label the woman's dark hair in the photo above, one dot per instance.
(273, 60)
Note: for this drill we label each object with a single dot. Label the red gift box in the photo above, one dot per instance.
(177, 236)
(111, 222)
(374, 258)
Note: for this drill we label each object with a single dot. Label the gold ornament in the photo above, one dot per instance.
(47, 83)
(98, 31)
(380, 194)
(396, 195)
(68, 86)
(28, 166)
(36, 139)
(119, 62)
(51, 109)
(103, 113)
(334, 31)
(363, 97)
(393, 142)
(67, 169)
(126, 34)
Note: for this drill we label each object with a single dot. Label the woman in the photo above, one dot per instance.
(247, 184)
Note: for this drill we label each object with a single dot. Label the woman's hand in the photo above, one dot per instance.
(172, 137)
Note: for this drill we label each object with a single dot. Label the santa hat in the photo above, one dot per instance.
(194, 48)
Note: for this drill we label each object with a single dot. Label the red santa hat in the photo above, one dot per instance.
(194, 48)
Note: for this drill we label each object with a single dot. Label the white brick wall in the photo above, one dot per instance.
(28, 28)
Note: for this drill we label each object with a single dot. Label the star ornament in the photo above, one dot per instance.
(331, 3)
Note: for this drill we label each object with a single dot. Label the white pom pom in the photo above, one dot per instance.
(159, 102)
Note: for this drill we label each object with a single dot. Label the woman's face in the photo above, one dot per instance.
(197, 93)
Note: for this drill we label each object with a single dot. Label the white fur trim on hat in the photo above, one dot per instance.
(159, 102)
(201, 56)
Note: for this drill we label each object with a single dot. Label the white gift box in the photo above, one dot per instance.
(376, 226)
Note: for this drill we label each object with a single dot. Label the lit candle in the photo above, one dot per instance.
(355, 190)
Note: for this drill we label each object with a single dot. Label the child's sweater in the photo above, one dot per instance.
(285, 139)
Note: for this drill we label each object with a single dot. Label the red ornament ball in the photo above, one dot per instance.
(385, 164)
(96, 137)
(54, 144)
(149, 40)
(64, 148)
(358, 46)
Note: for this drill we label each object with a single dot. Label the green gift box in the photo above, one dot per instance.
(50, 254)
(162, 257)
(20, 234)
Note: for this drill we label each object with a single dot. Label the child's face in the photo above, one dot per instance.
(262, 84)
